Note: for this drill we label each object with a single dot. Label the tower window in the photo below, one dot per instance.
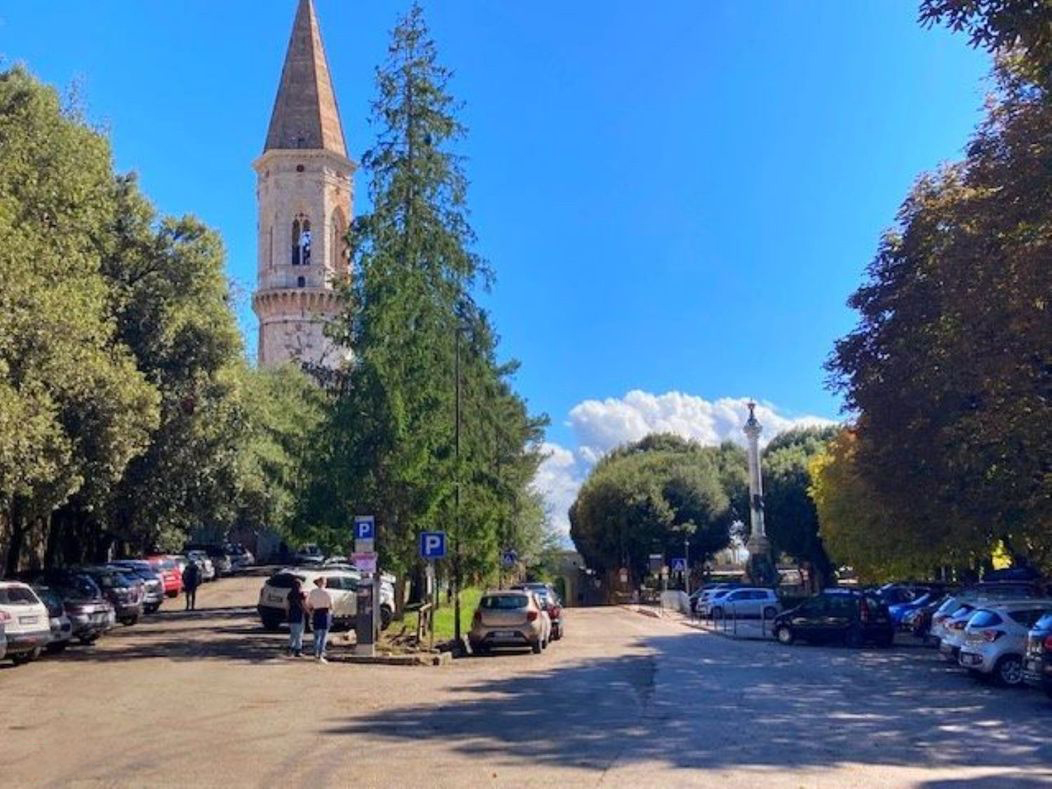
(301, 241)
(301, 282)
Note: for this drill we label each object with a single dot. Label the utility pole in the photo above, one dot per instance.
(456, 520)
(686, 564)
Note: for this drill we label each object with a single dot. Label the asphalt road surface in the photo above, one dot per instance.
(208, 699)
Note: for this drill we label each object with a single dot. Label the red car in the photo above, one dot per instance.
(170, 572)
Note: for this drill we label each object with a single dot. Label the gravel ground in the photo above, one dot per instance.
(208, 699)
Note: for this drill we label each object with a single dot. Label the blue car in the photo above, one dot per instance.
(899, 610)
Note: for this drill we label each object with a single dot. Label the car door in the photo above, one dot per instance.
(808, 619)
(344, 591)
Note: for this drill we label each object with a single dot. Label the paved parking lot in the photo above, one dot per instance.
(208, 699)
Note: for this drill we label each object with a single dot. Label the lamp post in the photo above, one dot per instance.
(686, 564)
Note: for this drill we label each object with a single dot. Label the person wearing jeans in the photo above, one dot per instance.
(297, 618)
(320, 603)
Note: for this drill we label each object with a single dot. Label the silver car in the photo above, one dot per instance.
(746, 602)
(995, 639)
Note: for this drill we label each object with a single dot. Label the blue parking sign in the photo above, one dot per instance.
(432, 544)
(364, 527)
(679, 565)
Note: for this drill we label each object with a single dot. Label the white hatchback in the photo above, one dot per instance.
(27, 625)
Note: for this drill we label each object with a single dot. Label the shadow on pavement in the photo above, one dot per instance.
(697, 701)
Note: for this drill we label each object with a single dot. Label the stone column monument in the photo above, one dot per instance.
(760, 568)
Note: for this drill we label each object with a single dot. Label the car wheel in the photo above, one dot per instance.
(853, 638)
(88, 640)
(783, 634)
(128, 621)
(57, 648)
(887, 640)
(1009, 671)
(536, 647)
(770, 612)
(386, 615)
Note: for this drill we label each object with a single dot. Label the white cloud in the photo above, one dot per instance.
(601, 425)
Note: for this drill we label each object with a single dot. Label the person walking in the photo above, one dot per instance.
(297, 599)
(191, 580)
(319, 601)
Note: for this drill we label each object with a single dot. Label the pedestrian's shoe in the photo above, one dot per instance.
(322, 660)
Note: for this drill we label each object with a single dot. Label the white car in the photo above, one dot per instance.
(341, 584)
(25, 620)
(995, 639)
(208, 570)
(746, 602)
(3, 642)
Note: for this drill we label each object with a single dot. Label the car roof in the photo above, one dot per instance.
(1016, 605)
(8, 584)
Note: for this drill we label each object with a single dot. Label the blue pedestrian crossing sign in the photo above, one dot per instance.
(432, 544)
(679, 565)
(364, 527)
(509, 558)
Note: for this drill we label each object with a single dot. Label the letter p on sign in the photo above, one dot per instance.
(432, 544)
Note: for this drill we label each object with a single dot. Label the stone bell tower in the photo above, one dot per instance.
(304, 190)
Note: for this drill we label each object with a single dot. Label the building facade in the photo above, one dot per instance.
(305, 199)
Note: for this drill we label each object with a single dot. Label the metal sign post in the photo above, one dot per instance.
(432, 548)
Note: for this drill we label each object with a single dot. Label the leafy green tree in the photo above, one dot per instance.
(648, 497)
(791, 520)
(75, 408)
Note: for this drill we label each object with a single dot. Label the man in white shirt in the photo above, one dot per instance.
(319, 603)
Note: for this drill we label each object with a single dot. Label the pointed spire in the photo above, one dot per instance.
(305, 113)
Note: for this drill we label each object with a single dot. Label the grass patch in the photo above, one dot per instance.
(469, 599)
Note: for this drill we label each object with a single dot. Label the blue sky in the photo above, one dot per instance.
(677, 197)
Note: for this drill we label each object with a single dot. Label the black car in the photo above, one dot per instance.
(153, 581)
(1037, 662)
(87, 608)
(124, 591)
(846, 615)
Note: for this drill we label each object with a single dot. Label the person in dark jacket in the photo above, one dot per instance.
(297, 600)
(191, 580)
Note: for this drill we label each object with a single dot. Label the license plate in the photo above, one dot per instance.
(275, 598)
(504, 634)
(28, 620)
(1034, 666)
(971, 660)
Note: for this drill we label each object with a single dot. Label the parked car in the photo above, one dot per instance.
(551, 603)
(3, 641)
(995, 639)
(952, 630)
(27, 627)
(898, 611)
(509, 619)
(1037, 670)
(61, 625)
(308, 555)
(204, 564)
(123, 590)
(341, 584)
(746, 602)
(918, 620)
(90, 613)
(847, 615)
(218, 555)
(240, 557)
(171, 573)
(153, 582)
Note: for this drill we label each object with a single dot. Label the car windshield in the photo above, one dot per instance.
(17, 595)
(503, 602)
(983, 618)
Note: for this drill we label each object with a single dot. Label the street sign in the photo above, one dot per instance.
(366, 562)
(679, 565)
(509, 558)
(655, 561)
(364, 546)
(364, 527)
(432, 544)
